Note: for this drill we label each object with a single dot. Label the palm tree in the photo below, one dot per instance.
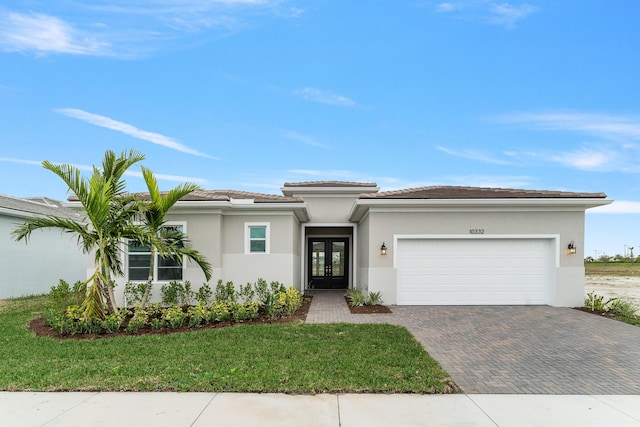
(175, 241)
(109, 217)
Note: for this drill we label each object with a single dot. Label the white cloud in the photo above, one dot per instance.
(601, 125)
(618, 147)
(587, 159)
(22, 161)
(305, 139)
(324, 97)
(504, 14)
(46, 34)
(507, 14)
(127, 28)
(617, 207)
(447, 7)
(173, 178)
(130, 130)
(474, 155)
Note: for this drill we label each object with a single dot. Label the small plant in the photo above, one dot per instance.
(249, 311)
(623, 307)
(355, 297)
(247, 293)
(175, 316)
(133, 293)
(220, 311)
(595, 302)
(198, 315)
(139, 319)
(64, 295)
(374, 298)
(157, 323)
(113, 322)
(288, 302)
(204, 294)
(225, 292)
(176, 293)
(154, 309)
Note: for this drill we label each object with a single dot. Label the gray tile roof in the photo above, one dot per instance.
(330, 184)
(35, 205)
(452, 192)
(227, 195)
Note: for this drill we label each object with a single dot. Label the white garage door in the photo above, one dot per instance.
(474, 271)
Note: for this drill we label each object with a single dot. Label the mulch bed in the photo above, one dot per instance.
(607, 314)
(368, 309)
(42, 330)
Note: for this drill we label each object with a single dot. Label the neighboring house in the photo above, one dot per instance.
(444, 245)
(32, 268)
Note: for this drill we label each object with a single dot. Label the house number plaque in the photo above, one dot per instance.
(476, 231)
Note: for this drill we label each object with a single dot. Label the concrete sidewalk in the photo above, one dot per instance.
(242, 409)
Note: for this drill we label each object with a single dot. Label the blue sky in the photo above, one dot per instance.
(248, 94)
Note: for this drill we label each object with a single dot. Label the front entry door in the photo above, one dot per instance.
(328, 263)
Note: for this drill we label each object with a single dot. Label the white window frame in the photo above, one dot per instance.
(247, 237)
(156, 261)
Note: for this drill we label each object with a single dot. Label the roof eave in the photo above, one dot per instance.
(361, 206)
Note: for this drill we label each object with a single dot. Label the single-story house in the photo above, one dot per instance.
(436, 245)
(29, 269)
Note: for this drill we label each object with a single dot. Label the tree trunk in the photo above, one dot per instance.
(147, 291)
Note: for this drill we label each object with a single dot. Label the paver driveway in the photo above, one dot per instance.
(508, 349)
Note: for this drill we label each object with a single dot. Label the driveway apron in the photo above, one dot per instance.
(514, 349)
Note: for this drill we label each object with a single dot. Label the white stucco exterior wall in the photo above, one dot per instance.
(32, 268)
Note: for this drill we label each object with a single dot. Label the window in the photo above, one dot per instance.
(166, 269)
(256, 238)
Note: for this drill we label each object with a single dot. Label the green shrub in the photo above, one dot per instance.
(374, 298)
(204, 294)
(220, 311)
(157, 323)
(288, 302)
(140, 319)
(623, 307)
(176, 293)
(133, 293)
(198, 314)
(64, 295)
(113, 322)
(595, 302)
(355, 297)
(249, 311)
(225, 292)
(175, 316)
(247, 293)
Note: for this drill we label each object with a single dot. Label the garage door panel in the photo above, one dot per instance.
(474, 271)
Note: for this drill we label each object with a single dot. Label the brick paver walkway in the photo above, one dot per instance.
(513, 349)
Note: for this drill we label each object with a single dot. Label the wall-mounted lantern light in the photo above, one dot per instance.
(571, 249)
(383, 249)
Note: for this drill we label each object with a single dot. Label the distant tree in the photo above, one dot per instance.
(631, 253)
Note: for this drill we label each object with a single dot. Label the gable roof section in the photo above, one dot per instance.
(452, 192)
(473, 198)
(228, 195)
(330, 184)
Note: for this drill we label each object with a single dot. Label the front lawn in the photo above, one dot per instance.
(289, 358)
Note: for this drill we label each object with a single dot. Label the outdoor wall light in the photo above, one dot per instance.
(383, 249)
(571, 249)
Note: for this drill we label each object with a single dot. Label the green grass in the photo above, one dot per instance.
(290, 358)
(612, 268)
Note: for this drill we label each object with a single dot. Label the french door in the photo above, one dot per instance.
(328, 261)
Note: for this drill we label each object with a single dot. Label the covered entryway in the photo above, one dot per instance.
(475, 271)
(328, 263)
